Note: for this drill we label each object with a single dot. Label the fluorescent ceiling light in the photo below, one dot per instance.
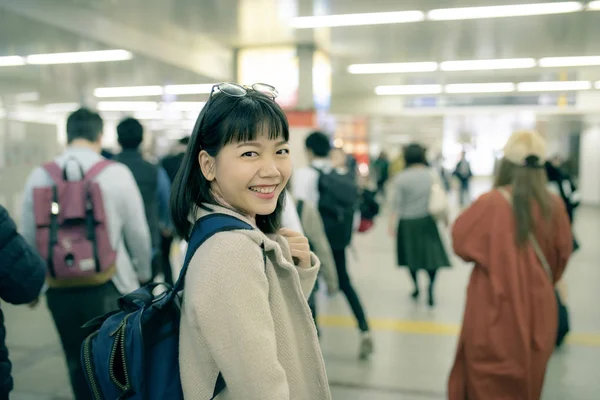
(569, 61)
(61, 107)
(189, 89)
(594, 5)
(474, 65)
(519, 10)
(553, 86)
(9, 61)
(408, 89)
(396, 17)
(130, 91)
(184, 105)
(79, 57)
(389, 68)
(27, 96)
(501, 87)
(127, 106)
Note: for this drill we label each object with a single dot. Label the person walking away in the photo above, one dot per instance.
(418, 242)
(85, 216)
(463, 174)
(154, 186)
(335, 194)
(381, 167)
(519, 239)
(22, 274)
(245, 316)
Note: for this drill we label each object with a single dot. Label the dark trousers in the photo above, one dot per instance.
(339, 257)
(70, 309)
(464, 196)
(165, 252)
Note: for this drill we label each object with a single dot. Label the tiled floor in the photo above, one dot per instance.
(414, 345)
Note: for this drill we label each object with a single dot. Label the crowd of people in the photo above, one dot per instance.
(100, 229)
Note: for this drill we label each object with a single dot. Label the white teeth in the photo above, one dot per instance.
(263, 190)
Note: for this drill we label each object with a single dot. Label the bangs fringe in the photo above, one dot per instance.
(252, 118)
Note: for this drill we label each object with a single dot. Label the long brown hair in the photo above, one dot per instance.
(528, 186)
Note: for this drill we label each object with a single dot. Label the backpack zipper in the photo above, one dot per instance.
(88, 366)
(119, 342)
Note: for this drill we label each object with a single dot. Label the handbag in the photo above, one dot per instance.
(438, 200)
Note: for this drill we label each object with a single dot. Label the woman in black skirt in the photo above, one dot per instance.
(418, 242)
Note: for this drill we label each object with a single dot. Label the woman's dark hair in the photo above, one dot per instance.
(414, 154)
(224, 120)
(528, 186)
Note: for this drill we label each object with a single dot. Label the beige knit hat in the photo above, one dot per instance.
(526, 148)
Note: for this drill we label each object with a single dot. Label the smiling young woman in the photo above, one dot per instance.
(245, 318)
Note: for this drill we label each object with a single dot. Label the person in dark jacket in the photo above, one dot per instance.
(22, 275)
(154, 185)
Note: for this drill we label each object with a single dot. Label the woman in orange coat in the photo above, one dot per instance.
(510, 320)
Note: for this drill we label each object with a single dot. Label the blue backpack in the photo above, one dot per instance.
(133, 352)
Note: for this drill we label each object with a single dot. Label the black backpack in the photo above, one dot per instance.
(338, 200)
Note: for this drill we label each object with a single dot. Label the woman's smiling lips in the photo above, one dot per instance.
(266, 192)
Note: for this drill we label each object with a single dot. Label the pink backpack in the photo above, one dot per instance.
(72, 229)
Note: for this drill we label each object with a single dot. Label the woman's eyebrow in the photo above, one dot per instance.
(255, 144)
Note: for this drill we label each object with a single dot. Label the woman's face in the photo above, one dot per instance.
(250, 176)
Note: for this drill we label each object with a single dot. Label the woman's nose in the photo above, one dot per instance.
(269, 169)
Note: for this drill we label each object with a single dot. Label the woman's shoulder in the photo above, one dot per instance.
(228, 250)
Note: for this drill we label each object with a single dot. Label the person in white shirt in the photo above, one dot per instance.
(127, 229)
(305, 185)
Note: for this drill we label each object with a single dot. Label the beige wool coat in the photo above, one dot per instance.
(249, 321)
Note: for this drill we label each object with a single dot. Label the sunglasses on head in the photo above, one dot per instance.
(235, 90)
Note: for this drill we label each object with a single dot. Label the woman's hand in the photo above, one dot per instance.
(298, 246)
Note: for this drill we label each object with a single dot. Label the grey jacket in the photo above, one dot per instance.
(315, 233)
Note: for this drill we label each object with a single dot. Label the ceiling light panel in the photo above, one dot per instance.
(480, 65)
(500, 87)
(551, 86)
(390, 68)
(61, 107)
(395, 17)
(408, 89)
(569, 61)
(9, 61)
(519, 10)
(127, 106)
(189, 89)
(129, 91)
(79, 57)
(594, 5)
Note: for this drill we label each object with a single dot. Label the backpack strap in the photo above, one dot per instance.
(300, 207)
(205, 228)
(54, 171)
(533, 241)
(96, 169)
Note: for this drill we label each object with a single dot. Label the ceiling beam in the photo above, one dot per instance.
(205, 57)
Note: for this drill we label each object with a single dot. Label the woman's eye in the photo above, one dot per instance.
(250, 154)
(283, 151)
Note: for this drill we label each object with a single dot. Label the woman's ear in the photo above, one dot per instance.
(207, 165)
